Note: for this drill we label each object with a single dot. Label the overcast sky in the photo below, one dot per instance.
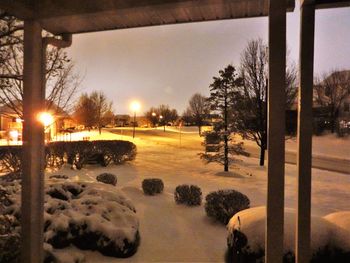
(167, 64)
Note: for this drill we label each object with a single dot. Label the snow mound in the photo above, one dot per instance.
(342, 221)
(90, 216)
(247, 233)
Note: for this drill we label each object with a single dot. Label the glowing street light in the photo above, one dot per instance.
(154, 114)
(135, 106)
(45, 118)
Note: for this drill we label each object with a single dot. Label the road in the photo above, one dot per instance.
(336, 164)
(321, 162)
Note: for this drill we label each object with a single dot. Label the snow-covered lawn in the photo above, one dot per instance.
(177, 233)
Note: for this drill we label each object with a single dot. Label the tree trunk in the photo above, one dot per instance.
(199, 130)
(262, 155)
(226, 154)
(164, 127)
(226, 132)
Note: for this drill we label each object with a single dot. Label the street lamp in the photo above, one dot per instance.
(46, 119)
(135, 106)
(154, 119)
(161, 120)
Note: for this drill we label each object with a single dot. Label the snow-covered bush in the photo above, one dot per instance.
(76, 153)
(9, 247)
(107, 178)
(10, 158)
(89, 216)
(223, 204)
(152, 186)
(188, 194)
(246, 238)
(59, 176)
(102, 152)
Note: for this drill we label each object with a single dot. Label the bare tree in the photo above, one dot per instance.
(167, 115)
(152, 116)
(332, 91)
(187, 117)
(250, 103)
(102, 107)
(92, 110)
(61, 80)
(199, 110)
(84, 112)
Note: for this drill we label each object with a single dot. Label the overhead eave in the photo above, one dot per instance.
(324, 4)
(78, 16)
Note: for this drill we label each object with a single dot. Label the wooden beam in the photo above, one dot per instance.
(33, 147)
(20, 8)
(322, 4)
(276, 132)
(304, 155)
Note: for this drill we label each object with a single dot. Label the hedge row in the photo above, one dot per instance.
(76, 153)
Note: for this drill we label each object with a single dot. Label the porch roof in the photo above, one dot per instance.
(78, 16)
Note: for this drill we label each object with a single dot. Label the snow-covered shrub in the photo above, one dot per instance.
(152, 186)
(102, 152)
(76, 153)
(246, 238)
(107, 178)
(223, 204)
(9, 248)
(90, 216)
(59, 176)
(10, 158)
(188, 194)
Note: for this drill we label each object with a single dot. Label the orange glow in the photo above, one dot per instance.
(45, 118)
(135, 106)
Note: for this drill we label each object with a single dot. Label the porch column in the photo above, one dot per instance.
(276, 132)
(304, 155)
(33, 147)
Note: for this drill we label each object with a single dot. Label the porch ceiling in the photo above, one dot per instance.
(67, 16)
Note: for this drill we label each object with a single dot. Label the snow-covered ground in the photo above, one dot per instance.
(176, 233)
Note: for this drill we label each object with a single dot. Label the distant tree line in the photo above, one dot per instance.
(162, 115)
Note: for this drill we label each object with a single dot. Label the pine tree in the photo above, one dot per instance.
(222, 91)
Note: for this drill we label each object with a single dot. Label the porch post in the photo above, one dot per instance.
(33, 147)
(276, 132)
(304, 155)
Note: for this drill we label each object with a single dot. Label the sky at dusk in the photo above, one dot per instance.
(168, 64)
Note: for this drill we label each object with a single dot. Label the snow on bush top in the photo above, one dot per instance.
(342, 221)
(103, 209)
(251, 222)
(100, 207)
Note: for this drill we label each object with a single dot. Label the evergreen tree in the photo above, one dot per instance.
(222, 91)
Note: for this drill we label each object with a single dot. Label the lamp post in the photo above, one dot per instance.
(135, 106)
(154, 120)
(47, 120)
(161, 120)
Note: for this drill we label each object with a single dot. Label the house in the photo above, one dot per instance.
(11, 123)
(122, 120)
(328, 92)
